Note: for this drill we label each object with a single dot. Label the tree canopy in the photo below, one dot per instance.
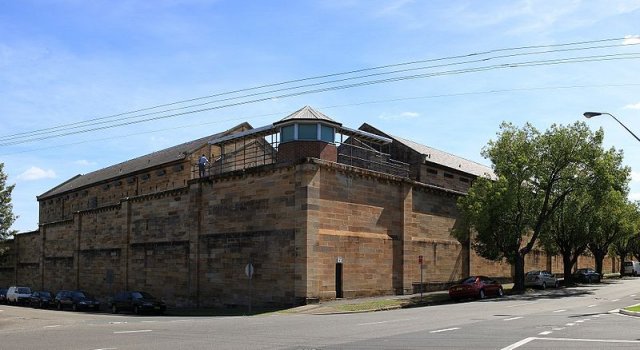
(535, 173)
(6, 209)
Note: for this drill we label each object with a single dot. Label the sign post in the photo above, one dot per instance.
(420, 260)
(248, 270)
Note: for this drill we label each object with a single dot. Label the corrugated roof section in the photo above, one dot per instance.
(307, 113)
(151, 160)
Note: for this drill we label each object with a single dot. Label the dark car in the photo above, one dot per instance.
(41, 299)
(3, 295)
(76, 300)
(137, 302)
(587, 275)
(475, 287)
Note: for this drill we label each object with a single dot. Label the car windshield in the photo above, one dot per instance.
(45, 294)
(142, 295)
(82, 295)
(469, 280)
(23, 290)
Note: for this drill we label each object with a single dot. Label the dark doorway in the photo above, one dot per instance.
(339, 293)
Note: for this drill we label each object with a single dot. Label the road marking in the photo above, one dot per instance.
(127, 332)
(53, 326)
(596, 316)
(527, 340)
(106, 349)
(445, 330)
(523, 304)
(570, 324)
(632, 295)
(614, 300)
(118, 322)
(370, 323)
(545, 333)
(592, 305)
(558, 328)
(513, 318)
(148, 321)
(519, 344)
(561, 310)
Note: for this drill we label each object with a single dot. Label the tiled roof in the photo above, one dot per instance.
(151, 160)
(306, 113)
(439, 157)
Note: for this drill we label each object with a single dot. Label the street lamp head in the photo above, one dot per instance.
(591, 114)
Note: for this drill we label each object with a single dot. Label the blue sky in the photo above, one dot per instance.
(71, 61)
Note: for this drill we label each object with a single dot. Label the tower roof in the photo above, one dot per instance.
(307, 113)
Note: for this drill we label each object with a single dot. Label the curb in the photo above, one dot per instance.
(630, 313)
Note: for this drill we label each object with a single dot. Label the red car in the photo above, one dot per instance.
(475, 287)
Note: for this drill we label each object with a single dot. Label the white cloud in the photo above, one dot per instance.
(84, 162)
(635, 176)
(634, 196)
(35, 173)
(633, 106)
(401, 116)
(631, 40)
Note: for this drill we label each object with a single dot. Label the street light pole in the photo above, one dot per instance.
(595, 114)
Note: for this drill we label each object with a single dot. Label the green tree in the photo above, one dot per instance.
(6, 209)
(535, 172)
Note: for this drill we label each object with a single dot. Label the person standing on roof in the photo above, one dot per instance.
(202, 162)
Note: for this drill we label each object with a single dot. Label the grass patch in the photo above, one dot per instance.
(635, 308)
(371, 305)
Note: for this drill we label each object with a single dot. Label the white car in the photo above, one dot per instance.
(631, 268)
(541, 279)
(18, 295)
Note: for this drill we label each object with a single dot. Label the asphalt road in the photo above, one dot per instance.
(573, 318)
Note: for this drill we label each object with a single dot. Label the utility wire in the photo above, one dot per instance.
(352, 85)
(496, 91)
(82, 124)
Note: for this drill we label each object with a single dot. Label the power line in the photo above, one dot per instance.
(348, 86)
(496, 91)
(102, 120)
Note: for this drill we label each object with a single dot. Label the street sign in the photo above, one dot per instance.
(248, 270)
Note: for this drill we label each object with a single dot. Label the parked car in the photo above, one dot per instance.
(631, 268)
(137, 302)
(41, 299)
(587, 275)
(3, 295)
(76, 300)
(475, 287)
(18, 295)
(540, 279)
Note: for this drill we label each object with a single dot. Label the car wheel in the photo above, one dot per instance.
(482, 295)
(114, 309)
(544, 285)
(500, 292)
(136, 310)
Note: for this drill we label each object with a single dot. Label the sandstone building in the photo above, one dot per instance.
(320, 211)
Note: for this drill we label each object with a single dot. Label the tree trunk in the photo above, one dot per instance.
(567, 267)
(622, 257)
(518, 279)
(598, 257)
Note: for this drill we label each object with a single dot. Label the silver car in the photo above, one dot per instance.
(540, 279)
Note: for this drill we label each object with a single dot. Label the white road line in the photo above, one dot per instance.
(513, 318)
(570, 324)
(106, 349)
(523, 304)
(614, 300)
(632, 295)
(592, 305)
(148, 321)
(381, 322)
(118, 322)
(558, 328)
(445, 330)
(609, 341)
(561, 310)
(53, 326)
(596, 316)
(139, 331)
(579, 321)
(545, 333)
(519, 344)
